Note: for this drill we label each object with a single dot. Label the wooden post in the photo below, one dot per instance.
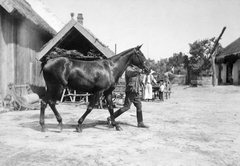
(86, 97)
(213, 55)
(216, 42)
(214, 77)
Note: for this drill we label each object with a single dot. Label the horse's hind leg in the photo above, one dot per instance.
(42, 115)
(58, 116)
(50, 98)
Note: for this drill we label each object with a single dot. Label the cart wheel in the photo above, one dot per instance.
(16, 106)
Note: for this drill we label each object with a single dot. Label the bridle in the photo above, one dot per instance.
(140, 60)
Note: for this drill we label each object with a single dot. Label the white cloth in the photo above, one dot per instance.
(148, 91)
(147, 80)
(162, 88)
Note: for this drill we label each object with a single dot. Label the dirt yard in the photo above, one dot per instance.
(197, 127)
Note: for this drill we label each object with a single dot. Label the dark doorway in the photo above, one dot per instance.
(229, 73)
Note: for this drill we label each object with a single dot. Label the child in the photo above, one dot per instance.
(161, 90)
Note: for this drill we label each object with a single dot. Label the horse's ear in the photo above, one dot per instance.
(138, 47)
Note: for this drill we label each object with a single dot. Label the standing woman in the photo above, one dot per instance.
(148, 79)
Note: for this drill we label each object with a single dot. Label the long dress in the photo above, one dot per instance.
(147, 80)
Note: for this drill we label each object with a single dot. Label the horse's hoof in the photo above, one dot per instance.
(109, 123)
(78, 129)
(118, 128)
(60, 127)
(44, 129)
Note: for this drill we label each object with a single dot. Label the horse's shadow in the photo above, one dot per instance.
(53, 127)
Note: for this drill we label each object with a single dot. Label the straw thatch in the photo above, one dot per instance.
(46, 14)
(24, 9)
(231, 52)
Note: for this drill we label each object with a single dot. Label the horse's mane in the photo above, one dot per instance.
(121, 53)
(71, 54)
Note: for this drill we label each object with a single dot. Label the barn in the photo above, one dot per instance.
(23, 32)
(228, 64)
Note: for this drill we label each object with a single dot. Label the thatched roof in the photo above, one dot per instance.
(25, 9)
(74, 36)
(232, 51)
(46, 14)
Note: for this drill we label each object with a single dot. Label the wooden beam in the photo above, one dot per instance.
(7, 6)
(213, 55)
(216, 42)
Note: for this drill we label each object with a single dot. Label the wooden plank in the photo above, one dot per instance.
(7, 50)
(7, 6)
(2, 44)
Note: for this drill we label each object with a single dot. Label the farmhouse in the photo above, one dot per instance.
(228, 64)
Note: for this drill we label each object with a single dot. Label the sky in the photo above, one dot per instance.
(164, 27)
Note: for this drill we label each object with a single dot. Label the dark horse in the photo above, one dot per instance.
(97, 77)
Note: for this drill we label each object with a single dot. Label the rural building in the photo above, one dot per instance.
(23, 32)
(28, 31)
(228, 64)
(73, 36)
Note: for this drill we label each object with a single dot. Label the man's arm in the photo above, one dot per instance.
(133, 71)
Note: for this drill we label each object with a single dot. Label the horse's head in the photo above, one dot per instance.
(140, 61)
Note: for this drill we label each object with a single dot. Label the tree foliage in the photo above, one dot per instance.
(197, 63)
(165, 65)
(176, 60)
(200, 52)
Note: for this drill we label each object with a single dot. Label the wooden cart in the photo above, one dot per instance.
(23, 97)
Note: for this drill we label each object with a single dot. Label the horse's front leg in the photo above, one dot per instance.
(80, 121)
(92, 103)
(111, 121)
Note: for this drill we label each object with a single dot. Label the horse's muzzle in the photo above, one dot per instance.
(146, 70)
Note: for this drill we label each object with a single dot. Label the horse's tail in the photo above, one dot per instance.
(43, 63)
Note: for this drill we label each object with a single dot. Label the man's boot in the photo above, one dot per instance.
(140, 120)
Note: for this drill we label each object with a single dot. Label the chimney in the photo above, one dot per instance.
(80, 18)
(72, 15)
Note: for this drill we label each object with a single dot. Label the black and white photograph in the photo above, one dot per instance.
(119, 83)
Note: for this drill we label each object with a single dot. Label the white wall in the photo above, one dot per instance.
(235, 72)
(224, 74)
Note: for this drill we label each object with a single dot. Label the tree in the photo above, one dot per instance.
(200, 51)
(176, 61)
(187, 68)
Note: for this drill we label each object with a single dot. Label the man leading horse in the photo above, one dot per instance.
(98, 77)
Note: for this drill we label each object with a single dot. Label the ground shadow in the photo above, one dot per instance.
(53, 127)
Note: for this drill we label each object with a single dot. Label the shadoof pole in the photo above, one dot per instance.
(115, 49)
(213, 56)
